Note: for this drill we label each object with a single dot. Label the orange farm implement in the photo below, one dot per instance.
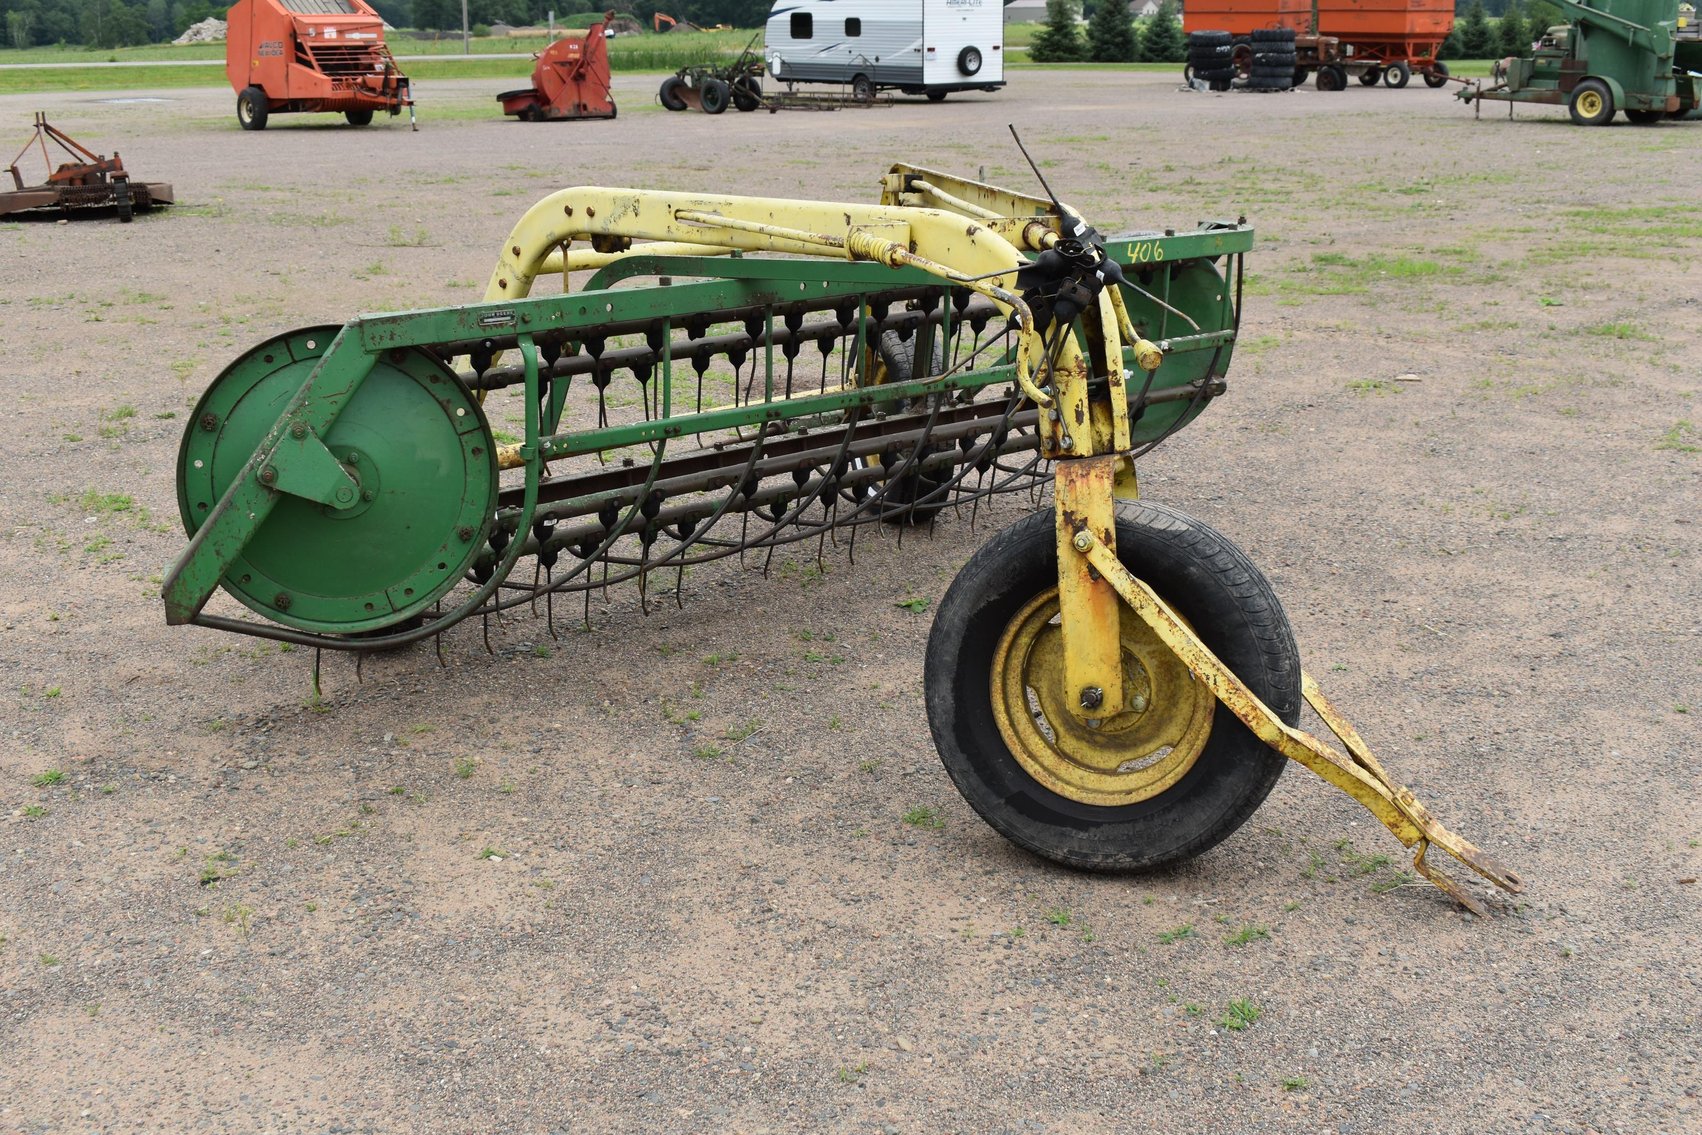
(289, 56)
(88, 182)
(571, 80)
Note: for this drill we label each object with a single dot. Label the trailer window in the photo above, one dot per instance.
(853, 27)
(803, 25)
(321, 8)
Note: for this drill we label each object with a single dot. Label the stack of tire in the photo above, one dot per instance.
(1273, 59)
(1211, 58)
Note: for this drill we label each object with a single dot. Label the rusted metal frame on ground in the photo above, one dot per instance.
(1358, 773)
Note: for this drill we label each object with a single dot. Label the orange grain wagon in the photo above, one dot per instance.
(1391, 38)
(285, 56)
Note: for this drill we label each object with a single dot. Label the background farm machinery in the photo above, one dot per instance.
(87, 182)
(290, 56)
(1373, 40)
(1110, 683)
(1636, 56)
(571, 80)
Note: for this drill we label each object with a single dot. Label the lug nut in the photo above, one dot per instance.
(298, 431)
(281, 600)
(268, 475)
(1083, 541)
(465, 532)
(1092, 697)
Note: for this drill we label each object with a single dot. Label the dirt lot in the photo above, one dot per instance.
(1460, 439)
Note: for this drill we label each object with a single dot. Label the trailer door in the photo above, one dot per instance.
(963, 42)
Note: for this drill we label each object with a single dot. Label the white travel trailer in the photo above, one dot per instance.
(930, 47)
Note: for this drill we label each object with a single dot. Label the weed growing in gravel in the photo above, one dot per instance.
(465, 767)
(1058, 916)
(1247, 934)
(1295, 1083)
(49, 960)
(926, 818)
(914, 606)
(1682, 438)
(419, 238)
(238, 917)
(1177, 933)
(1238, 1014)
(95, 501)
(507, 788)
(51, 776)
(852, 1073)
(494, 853)
(34, 811)
(1398, 879)
(217, 867)
(737, 733)
(1193, 1008)
(1378, 386)
(706, 752)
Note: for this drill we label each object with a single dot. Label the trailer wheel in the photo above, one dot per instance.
(715, 95)
(1301, 74)
(252, 108)
(1644, 117)
(1397, 75)
(1150, 786)
(969, 61)
(669, 95)
(747, 93)
(936, 96)
(1331, 77)
(1436, 76)
(1370, 75)
(1591, 103)
(863, 88)
(358, 117)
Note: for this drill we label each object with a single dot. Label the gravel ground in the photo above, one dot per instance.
(503, 895)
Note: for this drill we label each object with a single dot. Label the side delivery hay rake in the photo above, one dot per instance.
(1110, 683)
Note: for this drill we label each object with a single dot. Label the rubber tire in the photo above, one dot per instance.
(1216, 75)
(1602, 118)
(1283, 59)
(1270, 83)
(252, 109)
(1272, 35)
(1223, 84)
(899, 355)
(1397, 75)
(1286, 74)
(1301, 74)
(1369, 76)
(969, 61)
(1209, 582)
(936, 96)
(1188, 74)
(1645, 117)
(1437, 76)
(862, 88)
(1209, 39)
(714, 95)
(669, 94)
(1331, 77)
(747, 93)
(358, 117)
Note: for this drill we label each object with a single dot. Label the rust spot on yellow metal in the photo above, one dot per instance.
(1088, 606)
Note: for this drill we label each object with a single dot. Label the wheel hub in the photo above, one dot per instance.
(1124, 759)
(419, 452)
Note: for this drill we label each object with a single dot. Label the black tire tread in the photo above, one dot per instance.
(1190, 564)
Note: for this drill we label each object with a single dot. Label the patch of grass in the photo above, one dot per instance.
(98, 502)
(1058, 916)
(914, 606)
(738, 733)
(34, 811)
(850, 1074)
(1177, 933)
(1682, 438)
(1238, 1015)
(1247, 934)
(1378, 386)
(465, 767)
(494, 853)
(398, 238)
(706, 752)
(1295, 1083)
(51, 776)
(926, 818)
(49, 960)
(1619, 330)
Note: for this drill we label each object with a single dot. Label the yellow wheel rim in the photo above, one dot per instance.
(1589, 104)
(1131, 757)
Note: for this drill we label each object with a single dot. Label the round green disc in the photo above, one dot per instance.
(412, 437)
